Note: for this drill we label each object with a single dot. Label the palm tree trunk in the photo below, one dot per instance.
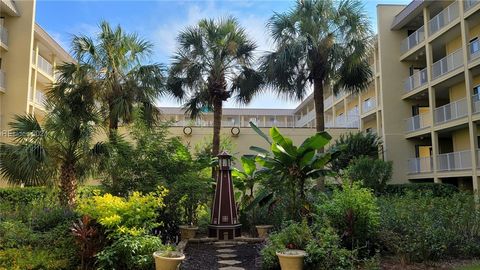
(217, 125)
(68, 185)
(112, 120)
(319, 120)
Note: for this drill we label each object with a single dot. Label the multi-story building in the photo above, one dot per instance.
(28, 57)
(424, 100)
(296, 123)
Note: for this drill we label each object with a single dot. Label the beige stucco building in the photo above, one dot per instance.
(423, 102)
(28, 57)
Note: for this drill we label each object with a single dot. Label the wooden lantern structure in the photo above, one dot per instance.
(224, 223)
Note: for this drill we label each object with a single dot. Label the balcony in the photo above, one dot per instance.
(304, 120)
(412, 40)
(474, 50)
(418, 122)
(328, 102)
(443, 18)
(3, 35)
(369, 105)
(2, 80)
(347, 122)
(40, 98)
(447, 64)
(476, 103)
(450, 111)
(455, 161)
(420, 165)
(416, 80)
(45, 66)
(468, 4)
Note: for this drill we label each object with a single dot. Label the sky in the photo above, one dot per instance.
(160, 21)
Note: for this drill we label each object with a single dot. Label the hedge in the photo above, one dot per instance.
(25, 195)
(434, 189)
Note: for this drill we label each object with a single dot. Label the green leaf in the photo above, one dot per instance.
(259, 150)
(316, 142)
(248, 165)
(307, 158)
(259, 132)
(285, 142)
(320, 160)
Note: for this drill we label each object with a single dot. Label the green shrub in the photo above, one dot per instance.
(372, 173)
(292, 236)
(325, 252)
(15, 234)
(134, 215)
(421, 228)
(17, 195)
(420, 189)
(353, 213)
(129, 252)
(352, 146)
(27, 258)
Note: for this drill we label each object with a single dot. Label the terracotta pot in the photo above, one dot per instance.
(291, 259)
(187, 232)
(167, 261)
(263, 230)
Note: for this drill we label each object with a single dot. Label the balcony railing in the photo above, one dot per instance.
(328, 102)
(447, 64)
(476, 103)
(443, 18)
(226, 123)
(450, 111)
(45, 66)
(416, 80)
(420, 165)
(468, 4)
(4, 35)
(304, 120)
(347, 122)
(478, 158)
(40, 98)
(418, 122)
(455, 161)
(474, 50)
(369, 105)
(413, 40)
(2, 79)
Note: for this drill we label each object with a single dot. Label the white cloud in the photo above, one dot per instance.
(255, 26)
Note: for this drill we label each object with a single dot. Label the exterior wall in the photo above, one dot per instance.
(396, 148)
(461, 140)
(248, 137)
(457, 92)
(16, 62)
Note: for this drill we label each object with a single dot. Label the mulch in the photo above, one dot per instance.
(203, 256)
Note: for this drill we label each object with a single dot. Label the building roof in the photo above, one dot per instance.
(410, 11)
(52, 44)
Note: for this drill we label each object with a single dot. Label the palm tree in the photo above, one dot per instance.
(321, 43)
(61, 148)
(213, 63)
(124, 82)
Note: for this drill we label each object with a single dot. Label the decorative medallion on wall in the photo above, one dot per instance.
(235, 131)
(187, 131)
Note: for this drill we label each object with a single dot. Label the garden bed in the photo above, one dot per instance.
(393, 264)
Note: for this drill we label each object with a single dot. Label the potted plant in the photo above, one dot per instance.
(168, 259)
(263, 230)
(291, 258)
(192, 190)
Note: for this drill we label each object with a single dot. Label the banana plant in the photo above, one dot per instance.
(245, 180)
(293, 166)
